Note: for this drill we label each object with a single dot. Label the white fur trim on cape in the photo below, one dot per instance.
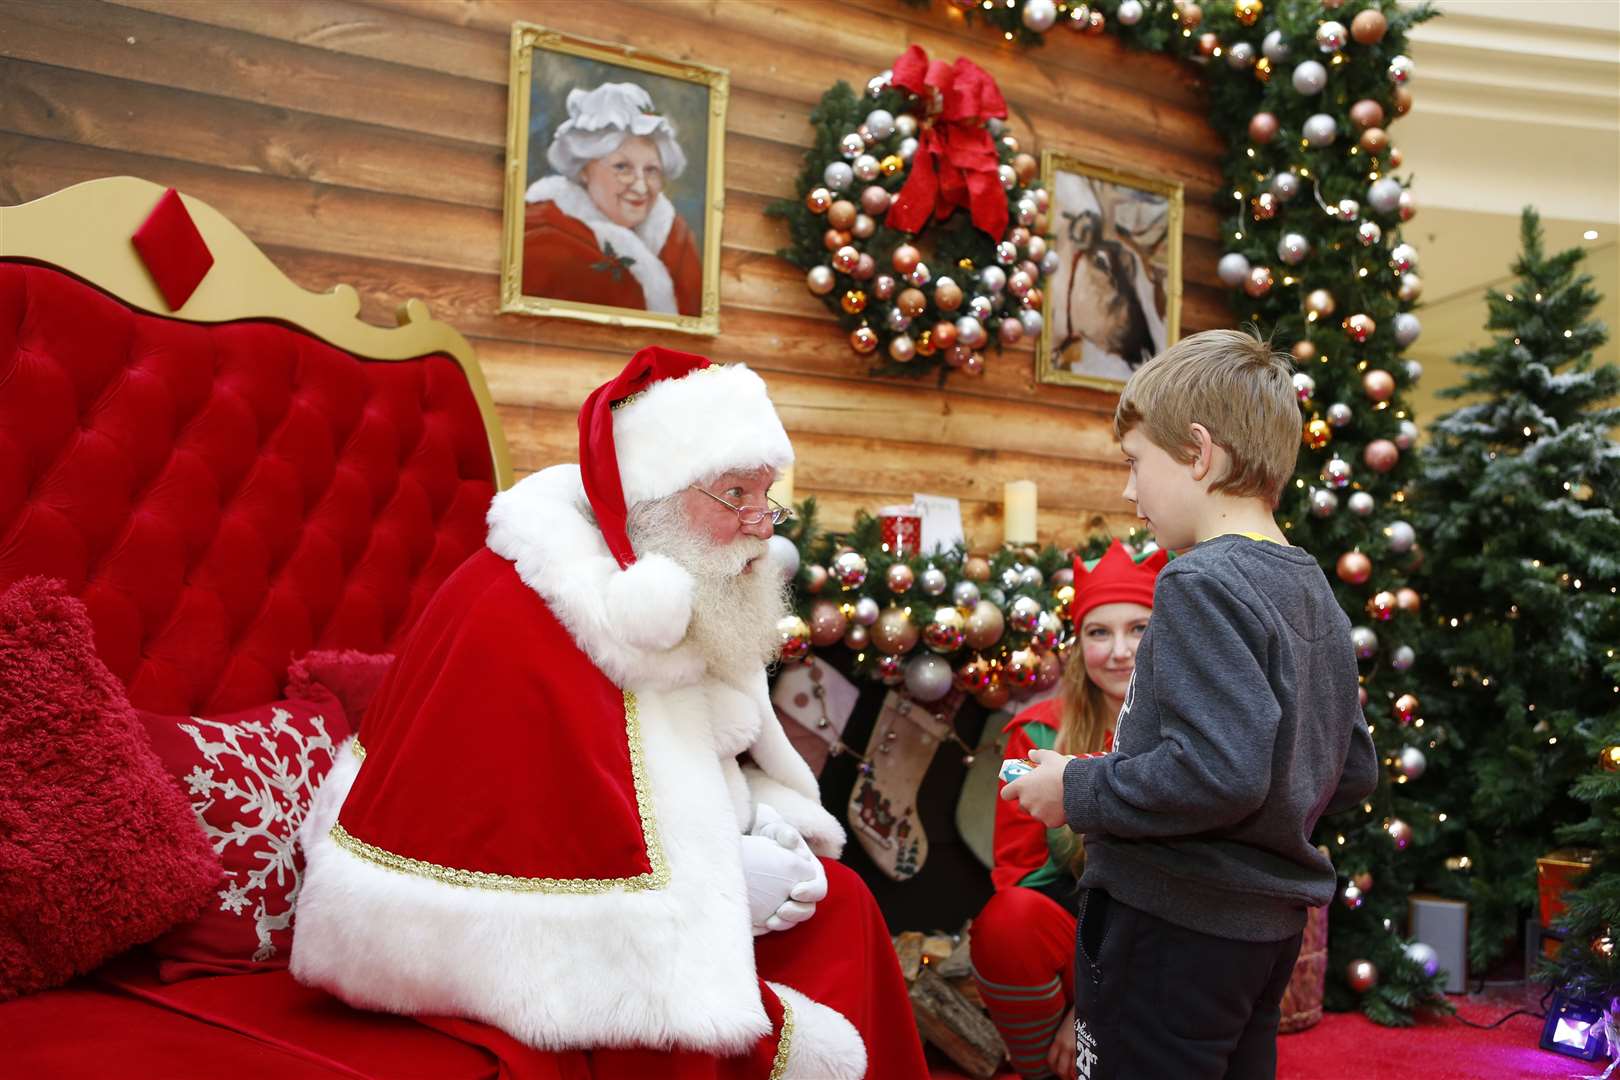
(542, 525)
(825, 1045)
(640, 247)
(682, 431)
(629, 622)
(671, 966)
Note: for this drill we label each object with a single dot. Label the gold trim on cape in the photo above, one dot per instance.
(784, 1045)
(656, 878)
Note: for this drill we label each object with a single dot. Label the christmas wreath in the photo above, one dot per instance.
(918, 221)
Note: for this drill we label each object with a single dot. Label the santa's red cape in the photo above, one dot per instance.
(540, 830)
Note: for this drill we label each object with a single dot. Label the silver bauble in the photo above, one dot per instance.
(1233, 269)
(1407, 328)
(1310, 77)
(1320, 129)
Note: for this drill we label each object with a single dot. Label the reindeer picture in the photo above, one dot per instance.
(1115, 295)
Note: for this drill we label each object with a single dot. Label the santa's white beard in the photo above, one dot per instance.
(734, 615)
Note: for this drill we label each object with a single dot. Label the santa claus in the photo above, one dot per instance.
(600, 230)
(572, 813)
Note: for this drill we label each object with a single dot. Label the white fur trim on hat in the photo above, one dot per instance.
(683, 431)
(602, 118)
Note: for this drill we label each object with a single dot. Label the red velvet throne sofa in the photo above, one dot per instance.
(223, 502)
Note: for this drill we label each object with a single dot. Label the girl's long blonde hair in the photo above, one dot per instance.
(1084, 722)
(1082, 708)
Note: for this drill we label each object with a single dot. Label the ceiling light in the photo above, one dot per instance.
(1590, 234)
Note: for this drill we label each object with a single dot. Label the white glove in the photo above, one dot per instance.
(784, 879)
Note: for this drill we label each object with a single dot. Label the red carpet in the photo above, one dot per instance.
(1349, 1045)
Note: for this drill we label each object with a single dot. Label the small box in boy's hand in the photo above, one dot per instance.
(1013, 768)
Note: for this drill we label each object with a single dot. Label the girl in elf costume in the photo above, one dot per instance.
(1023, 940)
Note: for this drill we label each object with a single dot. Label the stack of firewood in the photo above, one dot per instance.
(946, 1001)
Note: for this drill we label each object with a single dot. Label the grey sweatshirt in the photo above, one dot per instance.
(1240, 729)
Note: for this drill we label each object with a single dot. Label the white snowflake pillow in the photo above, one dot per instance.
(250, 777)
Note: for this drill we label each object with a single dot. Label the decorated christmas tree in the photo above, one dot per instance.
(1518, 506)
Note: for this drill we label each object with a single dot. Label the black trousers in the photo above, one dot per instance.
(1156, 1001)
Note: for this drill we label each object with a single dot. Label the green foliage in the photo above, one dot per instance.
(1518, 498)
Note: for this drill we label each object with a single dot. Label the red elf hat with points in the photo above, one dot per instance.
(1116, 578)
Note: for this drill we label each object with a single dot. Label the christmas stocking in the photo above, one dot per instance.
(883, 806)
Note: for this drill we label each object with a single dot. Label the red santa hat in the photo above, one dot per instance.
(668, 420)
(1116, 578)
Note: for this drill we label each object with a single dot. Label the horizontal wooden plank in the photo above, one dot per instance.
(853, 465)
(272, 209)
(188, 55)
(398, 37)
(831, 42)
(542, 376)
(84, 107)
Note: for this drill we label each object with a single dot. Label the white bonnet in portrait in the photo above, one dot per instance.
(600, 119)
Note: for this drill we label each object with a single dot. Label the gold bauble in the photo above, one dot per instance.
(894, 634)
(892, 164)
(1406, 707)
(1247, 12)
(985, 625)
(976, 568)
(1609, 758)
(793, 636)
(853, 301)
(1318, 433)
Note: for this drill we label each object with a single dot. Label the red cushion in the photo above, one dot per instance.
(251, 777)
(351, 676)
(98, 850)
(226, 498)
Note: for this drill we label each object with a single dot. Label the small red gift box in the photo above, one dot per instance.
(1556, 873)
(901, 528)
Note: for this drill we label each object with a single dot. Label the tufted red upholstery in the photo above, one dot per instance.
(225, 498)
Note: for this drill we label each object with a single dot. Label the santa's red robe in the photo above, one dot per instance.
(571, 251)
(541, 833)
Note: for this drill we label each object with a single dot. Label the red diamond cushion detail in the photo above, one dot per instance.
(173, 250)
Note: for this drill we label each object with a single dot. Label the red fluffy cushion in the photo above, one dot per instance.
(250, 776)
(98, 850)
(353, 677)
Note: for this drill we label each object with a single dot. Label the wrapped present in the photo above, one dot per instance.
(1556, 874)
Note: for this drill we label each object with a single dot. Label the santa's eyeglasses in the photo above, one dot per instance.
(775, 513)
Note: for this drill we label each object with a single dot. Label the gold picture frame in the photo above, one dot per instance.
(1108, 313)
(589, 237)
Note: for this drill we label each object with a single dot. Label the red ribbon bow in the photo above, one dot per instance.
(955, 163)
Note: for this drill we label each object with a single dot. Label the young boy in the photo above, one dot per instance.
(1240, 728)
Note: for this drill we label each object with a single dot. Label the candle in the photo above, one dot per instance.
(782, 488)
(1018, 512)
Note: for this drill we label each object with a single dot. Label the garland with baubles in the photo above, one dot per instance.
(919, 222)
(1302, 93)
(995, 627)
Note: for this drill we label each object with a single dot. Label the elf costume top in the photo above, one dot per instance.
(539, 826)
(1026, 852)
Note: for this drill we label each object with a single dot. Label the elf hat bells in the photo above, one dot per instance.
(1116, 578)
(667, 421)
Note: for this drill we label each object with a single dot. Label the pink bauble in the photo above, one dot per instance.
(906, 258)
(1354, 568)
(1378, 384)
(827, 623)
(1263, 128)
(1381, 455)
(874, 200)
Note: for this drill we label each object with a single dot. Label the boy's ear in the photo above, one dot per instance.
(1204, 460)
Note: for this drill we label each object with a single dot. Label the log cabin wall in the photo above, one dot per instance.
(363, 142)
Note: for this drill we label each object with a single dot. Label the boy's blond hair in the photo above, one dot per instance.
(1236, 385)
